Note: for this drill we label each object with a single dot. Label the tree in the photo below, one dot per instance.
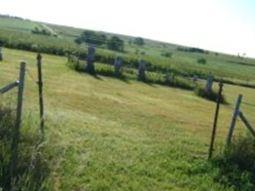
(91, 37)
(139, 41)
(115, 43)
(78, 41)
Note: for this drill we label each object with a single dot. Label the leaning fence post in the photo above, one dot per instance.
(215, 120)
(16, 129)
(233, 122)
(40, 89)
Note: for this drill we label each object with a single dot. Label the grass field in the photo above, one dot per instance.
(107, 134)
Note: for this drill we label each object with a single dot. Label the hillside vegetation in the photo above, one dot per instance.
(160, 57)
(108, 134)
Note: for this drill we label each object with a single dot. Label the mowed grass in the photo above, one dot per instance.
(106, 134)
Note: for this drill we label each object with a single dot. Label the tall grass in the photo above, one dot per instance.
(237, 165)
(32, 165)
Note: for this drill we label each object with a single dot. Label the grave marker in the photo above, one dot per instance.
(90, 68)
(141, 71)
(117, 66)
(209, 84)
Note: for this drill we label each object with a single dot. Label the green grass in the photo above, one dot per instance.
(107, 134)
(16, 33)
(22, 25)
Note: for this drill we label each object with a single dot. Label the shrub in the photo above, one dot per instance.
(167, 54)
(115, 43)
(36, 30)
(131, 73)
(213, 96)
(201, 61)
(139, 41)
(237, 165)
(192, 50)
(91, 37)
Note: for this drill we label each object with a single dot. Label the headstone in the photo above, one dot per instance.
(168, 78)
(117, 66)
(195, 79)
(90, 68)
(1, 54)
(141, 71)
(69, 57)
(209, 84)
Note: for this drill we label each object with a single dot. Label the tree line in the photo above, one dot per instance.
(112, 43)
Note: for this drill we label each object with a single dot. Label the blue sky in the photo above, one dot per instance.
(220, 25)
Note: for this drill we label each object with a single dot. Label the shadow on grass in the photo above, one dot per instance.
(120, 77)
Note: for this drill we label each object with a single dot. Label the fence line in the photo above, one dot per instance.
(20, 84)
(16, 129)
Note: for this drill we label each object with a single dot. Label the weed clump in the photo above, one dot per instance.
(32, 165)
(237, 165)
(212, 95)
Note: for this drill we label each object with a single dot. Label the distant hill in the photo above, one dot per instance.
(55, 39)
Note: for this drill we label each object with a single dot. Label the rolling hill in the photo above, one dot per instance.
(104, 133)
(17, 33)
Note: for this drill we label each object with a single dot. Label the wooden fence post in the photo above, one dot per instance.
(16, 129)
(215, 120)
(233, 122)
(40, 88)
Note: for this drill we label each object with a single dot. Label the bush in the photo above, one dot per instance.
(139, 41)
(131, 73)
(237, 165)
(213, 96)
(167, 54)
(36, 30)
(115, 43)
(91, 37)
(201, 61)
(192, 50)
